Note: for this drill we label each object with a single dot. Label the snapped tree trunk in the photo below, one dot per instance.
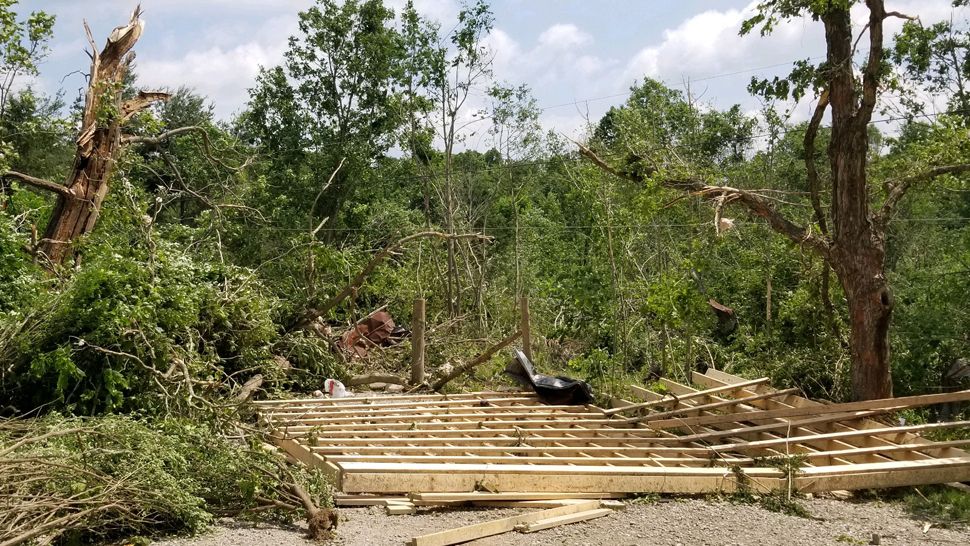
(98, 143)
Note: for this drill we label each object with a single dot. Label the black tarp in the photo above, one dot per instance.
(551, 390)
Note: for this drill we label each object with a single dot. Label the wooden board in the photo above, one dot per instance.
(549, 523)
(497, 526)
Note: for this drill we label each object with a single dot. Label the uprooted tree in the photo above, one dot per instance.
(99, 143)
(851, 236)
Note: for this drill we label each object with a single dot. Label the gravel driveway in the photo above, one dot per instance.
(686, 522)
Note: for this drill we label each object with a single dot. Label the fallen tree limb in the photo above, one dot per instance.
(249, 387)
(312, 314)
(478, 360)
(374, 378)
(756, 204)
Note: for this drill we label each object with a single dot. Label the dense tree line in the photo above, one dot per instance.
(220, 242)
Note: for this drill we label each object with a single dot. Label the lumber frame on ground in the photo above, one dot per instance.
(731, 433)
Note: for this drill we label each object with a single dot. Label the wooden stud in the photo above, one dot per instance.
(400, 509)
(562, 520)
(885, 404)
(479, 395)
(711, 406)
(496, 527)
(367, 500)
(607, 482)
(835, 435)
(525, 327)
(518, 496)
(697, 394)
(417, 342)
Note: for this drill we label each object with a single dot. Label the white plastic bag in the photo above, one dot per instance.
(335, 389)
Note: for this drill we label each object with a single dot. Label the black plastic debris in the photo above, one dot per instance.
(551, 390)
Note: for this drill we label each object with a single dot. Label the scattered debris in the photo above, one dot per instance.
(499, 526)
(549, 523)
(335, 389)
(551, 390)
(375, 330)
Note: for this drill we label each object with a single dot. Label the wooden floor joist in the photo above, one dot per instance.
(719, 434)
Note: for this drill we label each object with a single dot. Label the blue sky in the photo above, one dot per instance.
(568, 51)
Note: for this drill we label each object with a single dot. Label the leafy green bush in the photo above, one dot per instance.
(20, 281)
(124, 325)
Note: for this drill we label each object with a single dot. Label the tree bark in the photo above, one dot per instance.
(98, 143)
(870, 304)
(858, 244)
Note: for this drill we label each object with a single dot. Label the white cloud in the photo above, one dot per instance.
(563, 37)
(708, 44)
(224, 75)
(435, 10)
(561, 56)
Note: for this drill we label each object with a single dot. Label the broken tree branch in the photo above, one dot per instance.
(813, 186)
(207, 146)
(899, 187)
(143, 100)
(756, 204)
(313, 207)
(312, 314)
(478, 360)
(40, 183)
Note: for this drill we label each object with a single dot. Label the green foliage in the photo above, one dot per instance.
(936, 58)
(941, 505)
(20, 281)
(167, 476)
(124, 321)
(23, 43)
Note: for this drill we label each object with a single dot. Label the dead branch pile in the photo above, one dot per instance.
(80, 480)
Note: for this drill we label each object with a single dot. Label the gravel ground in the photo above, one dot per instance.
(686, 522)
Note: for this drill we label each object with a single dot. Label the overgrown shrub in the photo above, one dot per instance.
(126, 325)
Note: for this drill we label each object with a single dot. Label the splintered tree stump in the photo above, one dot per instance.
(99, 142)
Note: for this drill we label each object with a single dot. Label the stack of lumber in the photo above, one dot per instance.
(722, 434)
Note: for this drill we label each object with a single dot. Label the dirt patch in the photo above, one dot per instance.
(684, 522)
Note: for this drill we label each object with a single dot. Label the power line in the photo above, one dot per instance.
(566, 227)
(682, 84)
